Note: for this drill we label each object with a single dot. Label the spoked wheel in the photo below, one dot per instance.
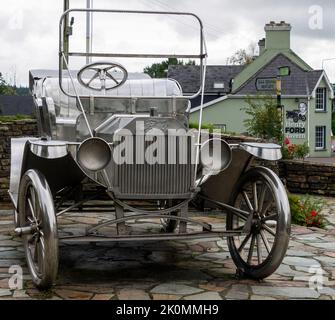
(265, 219)
(168, 225)
(40, 237)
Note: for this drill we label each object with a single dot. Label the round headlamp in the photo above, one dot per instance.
(94, 154)
(215, 156)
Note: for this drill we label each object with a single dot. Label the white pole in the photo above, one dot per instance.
(92, 15)
(89, 15)
(203, 84)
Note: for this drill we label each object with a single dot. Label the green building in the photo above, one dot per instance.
(307, 95)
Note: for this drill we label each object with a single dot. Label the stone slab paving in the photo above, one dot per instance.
(173, 270)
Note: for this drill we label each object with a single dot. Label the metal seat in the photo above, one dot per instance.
(64, 115)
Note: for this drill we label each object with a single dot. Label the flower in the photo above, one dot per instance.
(314, 213)
(291, 148)
(287, 141)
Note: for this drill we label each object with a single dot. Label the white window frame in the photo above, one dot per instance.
(222, 127)
(321, 100)
(320, 135)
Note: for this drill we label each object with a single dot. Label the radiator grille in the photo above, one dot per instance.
(157, 180)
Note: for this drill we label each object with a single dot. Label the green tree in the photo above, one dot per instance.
(22, 91)
(159, 70)
(243, 57)
(264, 120)
(6, 89)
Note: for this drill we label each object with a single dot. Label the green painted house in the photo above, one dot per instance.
(307, 95)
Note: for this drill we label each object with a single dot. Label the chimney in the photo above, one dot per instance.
(261, 45)
(278, 35)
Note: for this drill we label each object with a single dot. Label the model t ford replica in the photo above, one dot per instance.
(127, 136)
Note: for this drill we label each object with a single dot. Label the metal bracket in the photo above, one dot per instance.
(133, 105)
(120, 226)
(174, 106)
(123, 220)
(159, 212)
(92, 105)
(183, 224)
(237, 212)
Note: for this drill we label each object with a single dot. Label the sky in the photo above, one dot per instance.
(29, 31)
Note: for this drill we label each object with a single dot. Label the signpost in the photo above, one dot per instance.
(282, 72)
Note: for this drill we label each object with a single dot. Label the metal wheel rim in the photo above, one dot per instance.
(35, 243)
(263, 236)
(37, 214)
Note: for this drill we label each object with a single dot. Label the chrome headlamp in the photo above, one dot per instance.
(215, 156)
(94, 154)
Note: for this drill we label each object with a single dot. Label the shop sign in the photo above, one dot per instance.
(295, 125)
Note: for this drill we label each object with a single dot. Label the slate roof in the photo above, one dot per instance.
(189, 77)
(313, 78)
(299, 83)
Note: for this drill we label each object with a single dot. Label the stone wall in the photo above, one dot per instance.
(25, 128)
(308, 177)
(299, 177)
(15, 129)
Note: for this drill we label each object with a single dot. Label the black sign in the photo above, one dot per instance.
(296, 116)
(265, 84)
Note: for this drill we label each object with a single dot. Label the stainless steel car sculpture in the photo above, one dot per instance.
(80, 117)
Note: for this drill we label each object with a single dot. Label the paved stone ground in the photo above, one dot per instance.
(191, 270)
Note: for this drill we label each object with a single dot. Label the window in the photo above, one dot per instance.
(320, 138)
(219, 85)
(265, 84)
(284, 71)
(321, 99)
(221, 127)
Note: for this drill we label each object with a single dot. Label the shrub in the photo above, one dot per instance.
(295, 151)
(209, 127)
(264, 120)
(302, 151)
(15, 118)
(306, 211)
(5, 88)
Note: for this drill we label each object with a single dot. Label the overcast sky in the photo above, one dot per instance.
(29, 30)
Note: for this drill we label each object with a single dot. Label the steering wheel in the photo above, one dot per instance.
(102, 71)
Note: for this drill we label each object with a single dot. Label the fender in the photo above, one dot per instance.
(54, 162)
